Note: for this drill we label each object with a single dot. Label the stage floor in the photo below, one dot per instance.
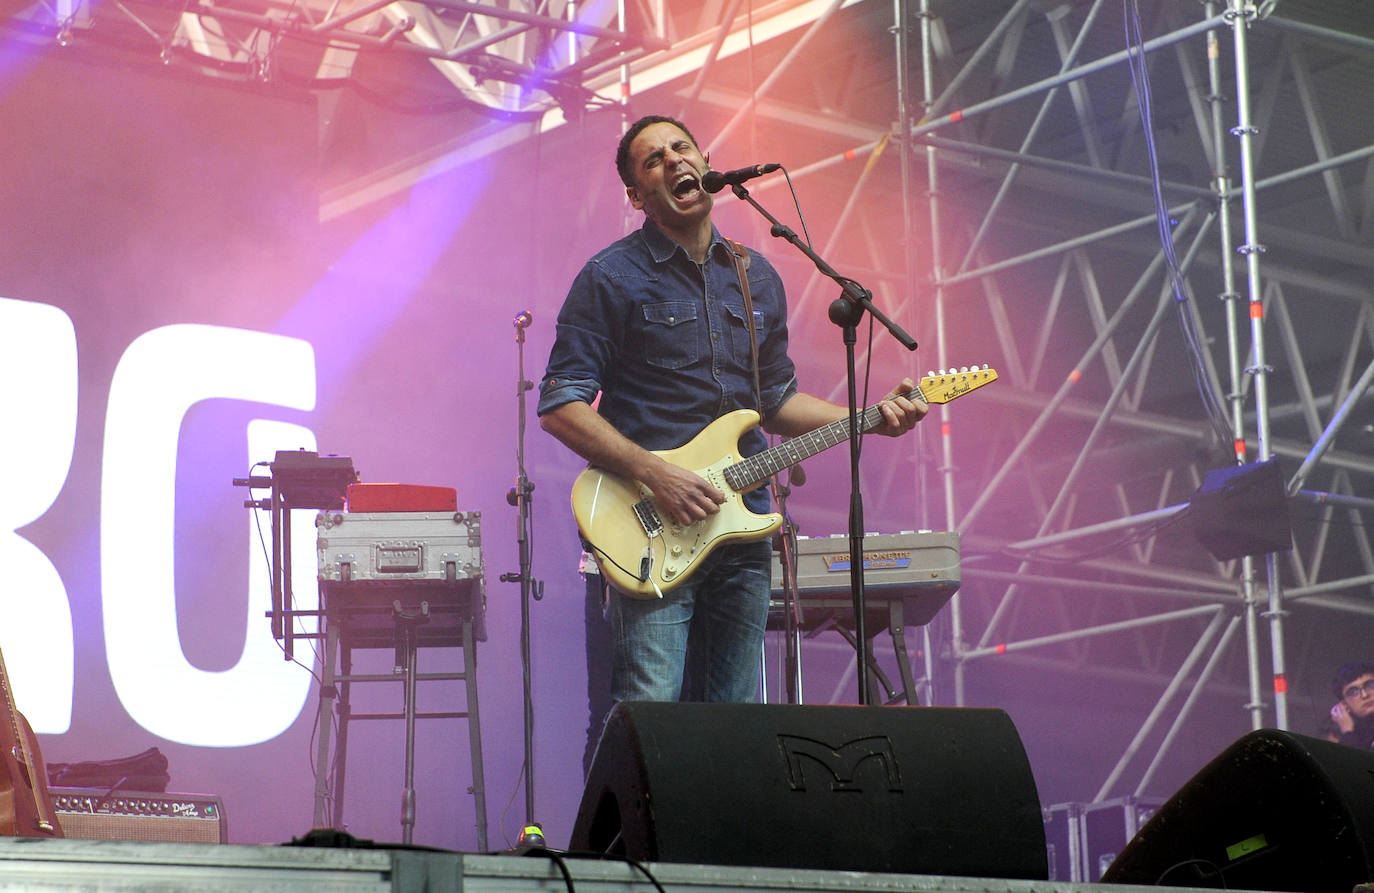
(109, 865)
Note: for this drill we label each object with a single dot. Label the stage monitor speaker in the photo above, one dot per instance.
(916, 790)
(1275, 811)
(101, 814)
(1242, 510)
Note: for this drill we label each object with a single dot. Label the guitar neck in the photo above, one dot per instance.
(759, 467)
(934, 388)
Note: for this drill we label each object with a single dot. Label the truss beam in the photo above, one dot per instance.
(1070, 174)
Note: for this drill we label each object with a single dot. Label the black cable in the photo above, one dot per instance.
(1140, 79)
(557, 859)
(592, 547)
(844, 280)
(643, 869)
(796, 203)
(617, 857)
(1166, 872)
(314, 650)
(510, 801)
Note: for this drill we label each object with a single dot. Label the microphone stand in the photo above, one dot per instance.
(791, 596)
(845, 311)
(519, 496)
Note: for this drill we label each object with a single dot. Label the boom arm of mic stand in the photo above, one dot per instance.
(852, 291)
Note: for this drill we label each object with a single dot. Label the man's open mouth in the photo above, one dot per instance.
(686, 185)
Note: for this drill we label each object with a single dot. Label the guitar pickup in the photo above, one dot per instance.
(648, 517)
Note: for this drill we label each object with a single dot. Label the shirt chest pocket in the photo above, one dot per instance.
(739, 334)
(672, 334)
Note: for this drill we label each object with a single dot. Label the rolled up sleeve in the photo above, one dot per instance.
(584, 344)
(555, 392)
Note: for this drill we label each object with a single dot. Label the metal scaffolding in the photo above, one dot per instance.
(517, 58)
(1244, 594)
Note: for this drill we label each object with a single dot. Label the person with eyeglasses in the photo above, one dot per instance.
(1352, 716)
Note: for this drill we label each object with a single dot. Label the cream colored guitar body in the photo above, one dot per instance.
(642, 563)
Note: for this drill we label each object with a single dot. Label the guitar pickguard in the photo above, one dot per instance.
(639, 548)
(687, 545)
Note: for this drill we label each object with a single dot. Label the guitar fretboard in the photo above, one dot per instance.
(761, 466)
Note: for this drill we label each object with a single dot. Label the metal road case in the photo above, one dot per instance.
(370, 560)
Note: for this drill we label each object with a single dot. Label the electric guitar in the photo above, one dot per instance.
(644, 553)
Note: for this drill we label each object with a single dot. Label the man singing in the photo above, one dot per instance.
(656, 324)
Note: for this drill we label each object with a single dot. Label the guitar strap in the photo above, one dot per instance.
(741, 256)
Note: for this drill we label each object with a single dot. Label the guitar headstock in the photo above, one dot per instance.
(945, 385)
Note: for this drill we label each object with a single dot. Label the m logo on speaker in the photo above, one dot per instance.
(841, 762)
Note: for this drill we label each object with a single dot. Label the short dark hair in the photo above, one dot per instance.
(1348, 673)
(622, 151)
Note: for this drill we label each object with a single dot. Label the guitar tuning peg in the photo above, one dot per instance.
(930, 374)
(963, 369)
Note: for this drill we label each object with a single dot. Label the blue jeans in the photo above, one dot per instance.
(702, 640)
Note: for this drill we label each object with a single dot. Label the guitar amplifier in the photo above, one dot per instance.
(98, 814)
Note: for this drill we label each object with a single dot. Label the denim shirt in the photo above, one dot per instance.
(663, 339)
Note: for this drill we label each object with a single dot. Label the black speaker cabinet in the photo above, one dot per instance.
(1242, 510)
(1275, 811)
(917, 790)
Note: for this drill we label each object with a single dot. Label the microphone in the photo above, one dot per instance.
(523, 319)
(715, 181)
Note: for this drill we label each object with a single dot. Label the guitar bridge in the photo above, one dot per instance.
(648, 517)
